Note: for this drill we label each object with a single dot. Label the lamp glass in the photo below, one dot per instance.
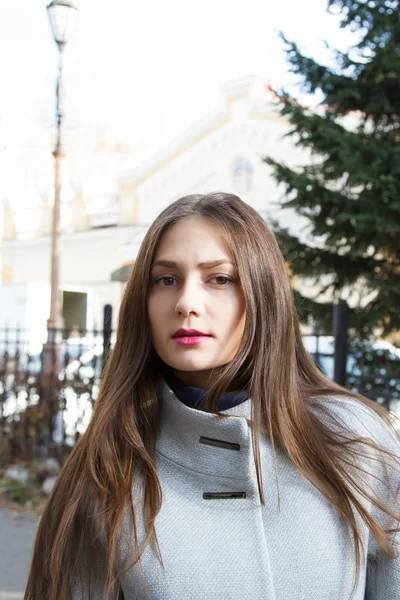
(62, 17)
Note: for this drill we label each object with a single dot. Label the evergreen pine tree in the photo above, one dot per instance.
(350, 194)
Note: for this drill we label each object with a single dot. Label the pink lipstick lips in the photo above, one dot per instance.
(190, 337)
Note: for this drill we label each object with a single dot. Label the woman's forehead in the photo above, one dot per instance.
(194, 237)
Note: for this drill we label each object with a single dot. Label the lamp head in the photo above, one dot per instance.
(62, 15)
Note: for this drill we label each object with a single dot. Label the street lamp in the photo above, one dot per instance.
(62, 15)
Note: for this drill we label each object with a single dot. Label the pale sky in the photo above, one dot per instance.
(145, 71)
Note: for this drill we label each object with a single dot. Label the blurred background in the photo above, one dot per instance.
(108, 113)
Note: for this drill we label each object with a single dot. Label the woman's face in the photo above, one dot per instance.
(195, 290)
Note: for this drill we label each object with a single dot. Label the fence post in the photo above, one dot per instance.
(340, 327)
(107, 330)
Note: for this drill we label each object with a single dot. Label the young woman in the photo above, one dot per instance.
(220, 463)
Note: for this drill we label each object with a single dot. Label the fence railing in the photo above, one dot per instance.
(47, 391)
(43, 410)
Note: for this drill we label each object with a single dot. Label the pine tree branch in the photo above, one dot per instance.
(343, 220)
(370, 85)
(350, 193)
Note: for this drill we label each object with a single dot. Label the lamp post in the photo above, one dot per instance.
(62, 14)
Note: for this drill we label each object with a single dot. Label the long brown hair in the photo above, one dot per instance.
(85, 510)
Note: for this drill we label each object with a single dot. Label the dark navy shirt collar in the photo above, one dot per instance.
(195, 397)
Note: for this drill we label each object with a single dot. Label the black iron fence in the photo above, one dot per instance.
(47, 391)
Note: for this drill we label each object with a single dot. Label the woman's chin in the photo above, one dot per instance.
(190, 366)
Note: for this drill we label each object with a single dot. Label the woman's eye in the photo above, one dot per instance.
(170, 281)
(222, 280)
(166, 281)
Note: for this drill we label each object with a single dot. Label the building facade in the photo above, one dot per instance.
(102, 231)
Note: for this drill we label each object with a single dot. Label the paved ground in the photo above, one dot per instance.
(17, 535)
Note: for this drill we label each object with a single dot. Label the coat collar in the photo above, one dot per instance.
(204, 442)
(195, 397)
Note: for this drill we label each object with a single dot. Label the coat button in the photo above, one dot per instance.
(223, 495)
(219, 443)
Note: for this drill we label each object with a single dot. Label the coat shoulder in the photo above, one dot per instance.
(354, 419)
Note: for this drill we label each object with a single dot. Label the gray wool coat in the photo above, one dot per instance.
(218, 542)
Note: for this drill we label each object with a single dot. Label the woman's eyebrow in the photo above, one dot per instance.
(203, 265)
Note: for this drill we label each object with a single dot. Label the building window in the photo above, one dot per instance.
(243, 173)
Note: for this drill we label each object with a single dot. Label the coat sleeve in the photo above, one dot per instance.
(80, 584)
(383, 577)
(383, 572)
(80, 580)
(80, 590)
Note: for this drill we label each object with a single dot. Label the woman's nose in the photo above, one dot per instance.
(189, 300)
